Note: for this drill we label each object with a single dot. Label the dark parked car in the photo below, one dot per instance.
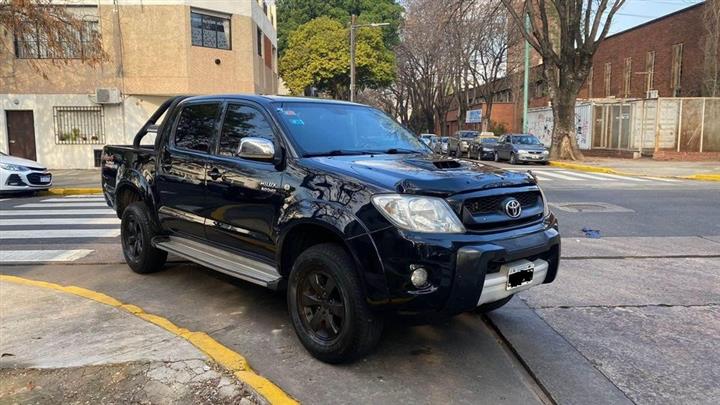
(334, 202)
(483, 148)
(521, 148)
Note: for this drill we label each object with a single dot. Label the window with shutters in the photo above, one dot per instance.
(676, 71)
(608, 77)
(210, 31)
(649, 70)
(627, 77)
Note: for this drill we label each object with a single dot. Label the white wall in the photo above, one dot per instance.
(541, 121)
(121, 121)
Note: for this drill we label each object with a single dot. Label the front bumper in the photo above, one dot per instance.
(464, 270)
(531, 157)
(12, 181)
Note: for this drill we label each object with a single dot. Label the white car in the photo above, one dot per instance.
(22, 175)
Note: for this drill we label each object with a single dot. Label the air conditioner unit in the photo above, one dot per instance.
(107, 95)
(651, 94)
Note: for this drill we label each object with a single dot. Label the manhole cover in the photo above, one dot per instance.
(589, 207)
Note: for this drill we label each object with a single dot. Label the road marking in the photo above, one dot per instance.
(59, 221)
(43, 255)
(106, 211)
(588, 176)
(224, 356)
(63, 204)
(615, 176)
(557, 175)
(74, 196)
(662, 179)
(60, 233)
(80, 199)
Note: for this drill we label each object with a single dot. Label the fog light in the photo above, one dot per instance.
(419, 277)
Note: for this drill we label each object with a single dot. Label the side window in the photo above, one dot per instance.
(196, 127)
(240, 122)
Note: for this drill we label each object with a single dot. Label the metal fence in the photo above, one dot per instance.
(663, 124)
(79, 125)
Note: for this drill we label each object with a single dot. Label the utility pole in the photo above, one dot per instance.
(526, 84)
(352, 57)
(354, 27)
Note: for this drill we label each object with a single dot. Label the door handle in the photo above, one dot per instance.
(214, 173)
(12, 141)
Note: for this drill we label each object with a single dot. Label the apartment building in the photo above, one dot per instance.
(61, 112)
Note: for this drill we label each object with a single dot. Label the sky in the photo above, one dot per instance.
(636, 12)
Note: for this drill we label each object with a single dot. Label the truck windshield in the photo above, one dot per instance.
(324, 129)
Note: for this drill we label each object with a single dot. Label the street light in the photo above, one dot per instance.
(353, 27)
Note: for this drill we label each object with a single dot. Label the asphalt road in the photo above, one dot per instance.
(631, 318)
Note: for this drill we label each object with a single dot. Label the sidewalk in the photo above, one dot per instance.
(76, 178)
(63, 348)
(646, 167)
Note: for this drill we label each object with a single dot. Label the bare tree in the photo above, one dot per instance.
(55, 33)
(490, 39)
(567, 34)
(711, 66)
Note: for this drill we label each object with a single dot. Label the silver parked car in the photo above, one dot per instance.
(459, 143)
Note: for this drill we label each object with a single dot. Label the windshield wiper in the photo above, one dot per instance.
(337, 152)
(395, 151)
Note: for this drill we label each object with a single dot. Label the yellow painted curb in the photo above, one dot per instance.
(72, 191)
(227, 358)
(583, 168)
(705, 177)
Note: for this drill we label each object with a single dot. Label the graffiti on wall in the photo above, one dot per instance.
(540, 124)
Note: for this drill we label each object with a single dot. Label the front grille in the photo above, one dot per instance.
(34, 178)
(494, 203)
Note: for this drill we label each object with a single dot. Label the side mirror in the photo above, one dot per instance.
(256, 149)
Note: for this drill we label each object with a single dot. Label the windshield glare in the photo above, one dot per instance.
(526, 140)
(468, 134)
(339, 129)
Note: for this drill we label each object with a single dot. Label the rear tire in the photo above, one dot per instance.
(327, 306)
(491, 306)
(136, 232)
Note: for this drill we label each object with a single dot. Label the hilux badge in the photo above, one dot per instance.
(513, 208)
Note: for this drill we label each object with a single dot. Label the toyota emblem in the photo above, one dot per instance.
(513, 208)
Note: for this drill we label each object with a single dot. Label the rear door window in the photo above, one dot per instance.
(242, 121)
(196, 127)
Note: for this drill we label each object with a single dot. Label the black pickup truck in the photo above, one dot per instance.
(334, 202)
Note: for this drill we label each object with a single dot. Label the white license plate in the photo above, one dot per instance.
(45, 179)
(520, 274)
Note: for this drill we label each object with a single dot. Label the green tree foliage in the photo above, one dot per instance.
(294, 13)
(318, 55)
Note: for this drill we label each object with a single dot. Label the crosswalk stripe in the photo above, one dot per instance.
(43, 255)
(91, 211)
(59, 221)
(615, 176)
(83, 199)
(60, 233)
(662, 179)
(588, 176)
(557, 175)
(63, 204)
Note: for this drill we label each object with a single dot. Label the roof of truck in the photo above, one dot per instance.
(263, 99)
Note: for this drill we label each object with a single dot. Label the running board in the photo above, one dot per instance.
(223, 261)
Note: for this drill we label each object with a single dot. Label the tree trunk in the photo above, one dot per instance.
(564, 142)
(488, 112)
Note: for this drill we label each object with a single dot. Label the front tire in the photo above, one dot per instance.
(513, 159)
(328, 308)
(136, 232)
(496, 157)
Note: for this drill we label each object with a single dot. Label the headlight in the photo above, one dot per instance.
(546, 207)
(545, 152)
(13, 168)
(523, 151)
(464, 143)
(418, 213)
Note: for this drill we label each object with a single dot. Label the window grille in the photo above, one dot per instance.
(79, 125)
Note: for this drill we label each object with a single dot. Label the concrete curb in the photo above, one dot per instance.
(600, 169)
(72, 191)
(232, 361)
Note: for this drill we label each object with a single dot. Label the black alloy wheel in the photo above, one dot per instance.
(132, 240)
(322, 306)
(136, 232)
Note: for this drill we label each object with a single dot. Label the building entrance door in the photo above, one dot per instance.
(21, 134)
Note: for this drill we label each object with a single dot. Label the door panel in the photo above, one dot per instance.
(182, 165)
(244, 196)
(21, 134)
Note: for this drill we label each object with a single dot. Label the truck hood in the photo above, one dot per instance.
(420, 174)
